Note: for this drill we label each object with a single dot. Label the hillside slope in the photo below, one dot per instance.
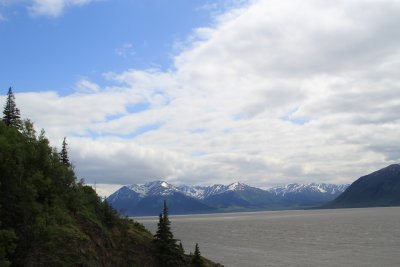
(380, 188)
(47, 218)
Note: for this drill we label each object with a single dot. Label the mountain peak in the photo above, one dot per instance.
(152, 188)
(237, 186)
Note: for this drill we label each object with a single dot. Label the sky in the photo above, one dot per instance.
(199, 92)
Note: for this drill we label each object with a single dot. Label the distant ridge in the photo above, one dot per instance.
(147, 199)
(377, 189)
(307, 195)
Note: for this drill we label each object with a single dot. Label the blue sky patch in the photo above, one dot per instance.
(46, 53)
(299, 121)
(138, 107)
(140, 131)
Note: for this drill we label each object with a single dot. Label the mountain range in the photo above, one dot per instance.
(146, 199)
(378, 189)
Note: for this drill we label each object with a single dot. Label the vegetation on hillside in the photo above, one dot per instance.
(378, 189)
(49, 218)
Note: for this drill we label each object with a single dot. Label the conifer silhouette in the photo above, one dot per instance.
(169, 252)
(11, 114)
(64, 153)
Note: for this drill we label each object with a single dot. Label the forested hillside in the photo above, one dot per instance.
(378, 189)
(49, 218)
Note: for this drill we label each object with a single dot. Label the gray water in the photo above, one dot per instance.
(341, 237)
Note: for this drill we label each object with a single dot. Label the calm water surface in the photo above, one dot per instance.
(341, 237)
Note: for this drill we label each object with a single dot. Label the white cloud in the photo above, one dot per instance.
(85, 86)
(105, 190)
(125, 50)
(275, 92)
(53, 8)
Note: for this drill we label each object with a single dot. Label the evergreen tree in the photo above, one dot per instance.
(181, 249)
(109, 214)
(64, 154)
(197, 260)
(168, 251)
(11, 114)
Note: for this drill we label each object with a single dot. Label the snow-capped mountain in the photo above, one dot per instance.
(298, 195)
(146, 199)
(153, 188)
(238, 187)
(203, 192)
(162, 188)
(134, 192)
(323, 188)
(238, 196)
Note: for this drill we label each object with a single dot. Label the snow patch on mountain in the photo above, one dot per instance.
(153, 188)
(237, 187)
(295, 188)
(202, 192)
(193, 191)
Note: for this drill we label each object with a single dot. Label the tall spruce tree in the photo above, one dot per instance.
(197, 260)
(64, 153)
(11, 114)
(168, 250)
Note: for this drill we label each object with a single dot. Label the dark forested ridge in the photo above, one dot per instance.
(48, 218)
(378, 189)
